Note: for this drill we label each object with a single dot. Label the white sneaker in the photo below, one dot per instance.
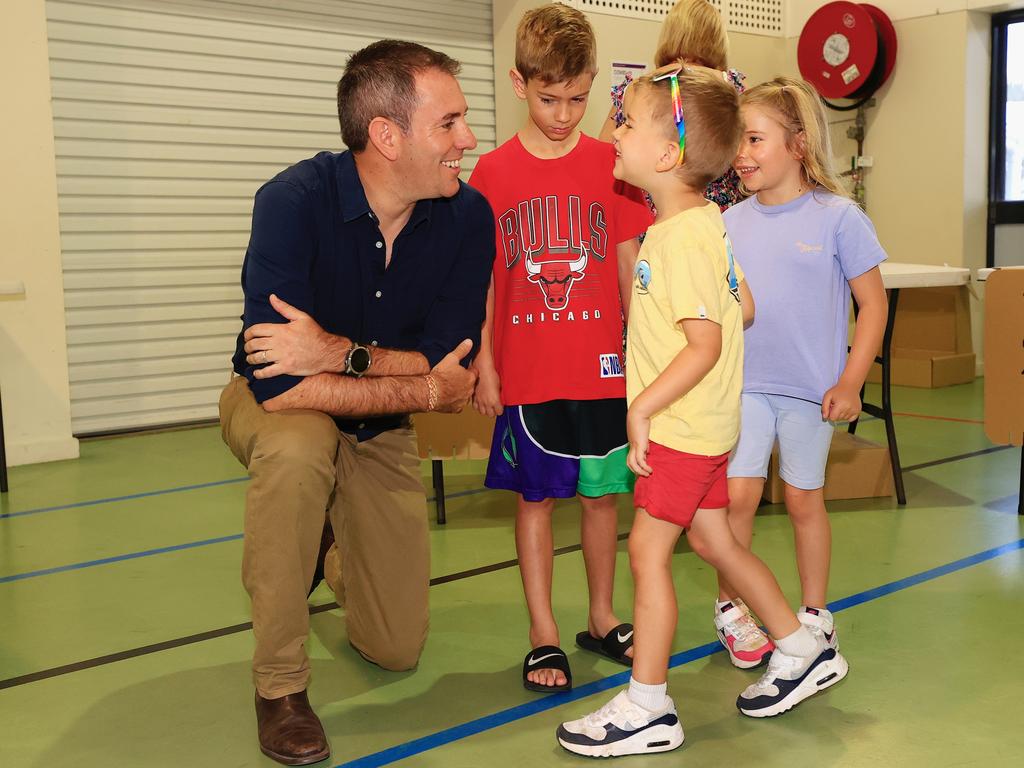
(747, 645)
(621, 727)
(791, 679)
(820, 622)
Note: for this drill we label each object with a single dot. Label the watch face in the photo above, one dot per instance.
(359, 359)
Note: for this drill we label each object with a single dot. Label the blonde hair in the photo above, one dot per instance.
(711, 110)
(799, 110)
(693, 30)
(555, 44)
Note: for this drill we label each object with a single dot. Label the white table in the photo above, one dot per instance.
(983, 274)
(896, 276)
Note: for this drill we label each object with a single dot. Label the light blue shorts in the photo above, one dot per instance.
(803, 436)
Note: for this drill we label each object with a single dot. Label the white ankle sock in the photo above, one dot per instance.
(801, 643)
(650, 697)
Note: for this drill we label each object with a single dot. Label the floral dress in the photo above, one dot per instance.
(725, 190)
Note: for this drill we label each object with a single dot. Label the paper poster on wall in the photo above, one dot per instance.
(620, 68)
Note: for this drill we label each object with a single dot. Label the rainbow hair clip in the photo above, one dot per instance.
(677, 107)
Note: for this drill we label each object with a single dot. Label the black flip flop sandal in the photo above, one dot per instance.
(547, 657)
(612, 646)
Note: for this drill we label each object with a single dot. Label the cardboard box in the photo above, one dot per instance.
(857, 469)
(928, 368)
(931, 341)
(465, 435)
(1004, 357)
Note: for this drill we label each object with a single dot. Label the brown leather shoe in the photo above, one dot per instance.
(290, 732)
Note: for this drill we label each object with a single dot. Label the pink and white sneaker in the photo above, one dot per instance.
(747, 645)
(820, 622)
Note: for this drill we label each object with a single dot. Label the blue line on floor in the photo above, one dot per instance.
(163, 491)
(129, 497)
(933, 573)
(118, 558)
(173, 548)
(473, 727)
(415, 747)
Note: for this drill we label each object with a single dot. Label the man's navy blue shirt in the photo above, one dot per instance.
(316, 243)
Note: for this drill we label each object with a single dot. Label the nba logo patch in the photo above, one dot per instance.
(610, 366)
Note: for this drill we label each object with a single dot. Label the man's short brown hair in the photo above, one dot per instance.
(555, 44)
(711, 109)
(380, 81)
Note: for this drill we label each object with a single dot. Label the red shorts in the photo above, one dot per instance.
(680, 484)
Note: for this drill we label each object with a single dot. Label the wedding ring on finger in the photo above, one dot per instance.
(264, 356)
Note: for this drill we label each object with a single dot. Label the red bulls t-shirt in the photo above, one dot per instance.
(557, 311)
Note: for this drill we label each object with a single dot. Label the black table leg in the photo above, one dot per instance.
(438, 469)
(3, 453)
(885, 411)
(1020, 488)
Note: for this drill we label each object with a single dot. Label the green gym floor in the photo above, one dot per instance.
(124, 638)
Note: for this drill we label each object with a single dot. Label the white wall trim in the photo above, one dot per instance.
(38, 451)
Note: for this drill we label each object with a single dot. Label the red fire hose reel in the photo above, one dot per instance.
(847, 50)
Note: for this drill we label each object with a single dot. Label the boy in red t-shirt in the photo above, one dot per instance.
(550, 359)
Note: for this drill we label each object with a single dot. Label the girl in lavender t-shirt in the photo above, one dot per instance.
(804, 246)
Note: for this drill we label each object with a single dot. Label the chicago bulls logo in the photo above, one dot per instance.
(555, 278)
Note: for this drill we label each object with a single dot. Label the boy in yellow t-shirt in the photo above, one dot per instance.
(683, 379)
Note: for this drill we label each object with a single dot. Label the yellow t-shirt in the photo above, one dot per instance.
(685, 271)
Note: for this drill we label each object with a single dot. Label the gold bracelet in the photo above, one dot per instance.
(431, 393)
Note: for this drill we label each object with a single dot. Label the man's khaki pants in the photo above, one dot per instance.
(302, 469)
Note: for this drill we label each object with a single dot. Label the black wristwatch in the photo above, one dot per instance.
(358, 360)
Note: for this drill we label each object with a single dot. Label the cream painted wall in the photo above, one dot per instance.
(927, 193)
(977, 66)
(621, 38)
(916, 135)
(33, 348)
(798, 11)
(618, 38)
(978, 56)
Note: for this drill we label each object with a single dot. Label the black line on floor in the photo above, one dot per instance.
(144, 650)
(504, 564)
(971, 455)
(166, 645)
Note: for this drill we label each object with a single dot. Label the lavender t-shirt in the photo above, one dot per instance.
(798, 257)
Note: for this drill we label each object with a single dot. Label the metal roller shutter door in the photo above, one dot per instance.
(168, 115)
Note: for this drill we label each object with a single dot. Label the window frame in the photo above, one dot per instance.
(1000, 210)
